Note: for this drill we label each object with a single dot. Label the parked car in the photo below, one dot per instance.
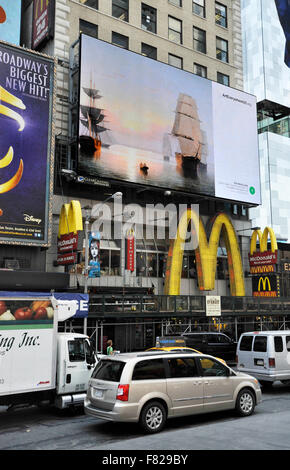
(183, 349)
(151, 387)
(216, 344)
(265, 355)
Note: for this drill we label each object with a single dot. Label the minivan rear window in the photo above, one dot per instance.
(150, 369)
(108, 370)
(246, 343)
(260, 344)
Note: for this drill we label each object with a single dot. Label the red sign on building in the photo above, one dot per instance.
(67, 258)
(67, 242)
(264, 258)
(130, 252)
(43, 21)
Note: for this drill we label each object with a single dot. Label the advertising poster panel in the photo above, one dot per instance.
(26, 146)
(43, 21)
(10, 16)
(142, 121)
(27, 330)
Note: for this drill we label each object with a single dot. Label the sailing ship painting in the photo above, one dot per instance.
(185, 142)
(96, 133)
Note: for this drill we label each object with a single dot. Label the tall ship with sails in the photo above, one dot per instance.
(93, 119)
(185, 141)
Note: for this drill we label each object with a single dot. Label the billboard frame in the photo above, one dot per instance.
(46, 242)
(149, 186)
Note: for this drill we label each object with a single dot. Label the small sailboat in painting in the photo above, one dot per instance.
(144, 168)
(96, 134)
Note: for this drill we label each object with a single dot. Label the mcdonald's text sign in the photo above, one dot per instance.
(263, 260)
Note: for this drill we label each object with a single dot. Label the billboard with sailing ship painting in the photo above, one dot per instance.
(26, 150)
(145, 122)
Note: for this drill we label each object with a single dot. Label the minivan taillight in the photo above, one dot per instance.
(271, 362)
(123, 392)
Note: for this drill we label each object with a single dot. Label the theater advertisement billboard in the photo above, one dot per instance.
(26, 146)
(145, 122)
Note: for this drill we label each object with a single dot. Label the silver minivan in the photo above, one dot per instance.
(265, 355)
(150, 387)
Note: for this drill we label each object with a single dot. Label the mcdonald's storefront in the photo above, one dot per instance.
(133, 315)
(149, 287)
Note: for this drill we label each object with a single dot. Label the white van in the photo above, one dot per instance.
(265, 355)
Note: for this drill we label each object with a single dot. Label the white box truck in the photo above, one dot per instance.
(36, 362)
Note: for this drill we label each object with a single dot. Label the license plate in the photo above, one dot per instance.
(260, 362)
(98, 393)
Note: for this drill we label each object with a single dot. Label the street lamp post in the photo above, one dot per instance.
(88, 210)
(250, 228)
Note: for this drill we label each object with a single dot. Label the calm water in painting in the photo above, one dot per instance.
(123, 163)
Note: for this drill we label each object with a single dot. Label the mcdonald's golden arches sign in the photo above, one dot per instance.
(205, 254)
(261, 261)
(70, 223)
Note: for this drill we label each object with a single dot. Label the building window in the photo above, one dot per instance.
(149, 51)
(175, 61)
(200, 70)
(120, 40)
(244, 211)
(120, 9)
(199, 40)
(198, 7)
(91, 3)
(222, 50)
(110, 259)
(221, 16)
(177, 3)
(223, 79)
(150, 258)
(149, 18)
(174, 30)
(88, 28)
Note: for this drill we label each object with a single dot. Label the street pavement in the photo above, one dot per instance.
(46, 429)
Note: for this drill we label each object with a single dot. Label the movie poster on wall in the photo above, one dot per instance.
(26, 145)
(145, 122)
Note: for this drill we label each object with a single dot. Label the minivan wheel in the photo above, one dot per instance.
(153, 417)
(246, 402)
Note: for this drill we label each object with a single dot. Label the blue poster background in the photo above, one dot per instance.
(23, 209)
(10, 28)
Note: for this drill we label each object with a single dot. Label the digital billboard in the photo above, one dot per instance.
(26, 145)
(10, 14)
(145, 122)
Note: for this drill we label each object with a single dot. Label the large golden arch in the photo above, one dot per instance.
(263, 239)
(206, 254)
(70, 220)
